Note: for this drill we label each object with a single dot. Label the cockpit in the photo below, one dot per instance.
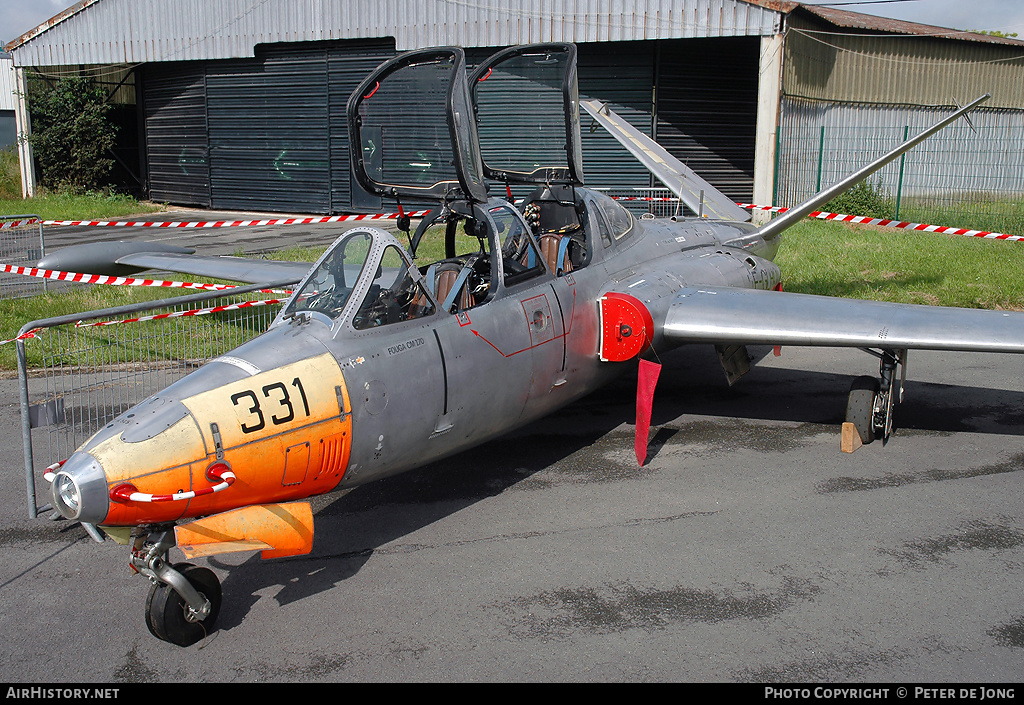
(361, 266)
(422, 128)
(460, 256)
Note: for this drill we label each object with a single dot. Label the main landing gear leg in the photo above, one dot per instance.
(871, 402)
(184, 599)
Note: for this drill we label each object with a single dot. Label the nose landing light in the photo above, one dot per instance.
(79, 489)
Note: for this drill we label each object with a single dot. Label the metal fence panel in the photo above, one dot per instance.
(656, 201)
(21, 245)
(89, 368)
(968, 175)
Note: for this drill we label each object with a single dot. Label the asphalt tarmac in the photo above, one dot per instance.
(747, 549)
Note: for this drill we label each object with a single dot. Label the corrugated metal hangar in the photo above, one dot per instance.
(239, 104)
(8, 132)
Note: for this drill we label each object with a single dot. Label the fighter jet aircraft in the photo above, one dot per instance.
(387, 357)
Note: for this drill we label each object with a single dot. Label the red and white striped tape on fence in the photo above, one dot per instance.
(23, 336)
(129, 281)
(860, 219)
(104, 279)
(189, 312)
(160, 316)
(219, 223)
(888, 223)
(821, 215)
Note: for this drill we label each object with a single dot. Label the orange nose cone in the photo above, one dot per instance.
(271, 437)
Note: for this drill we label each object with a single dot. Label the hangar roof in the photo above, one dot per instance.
(856, 20)
(134, 31)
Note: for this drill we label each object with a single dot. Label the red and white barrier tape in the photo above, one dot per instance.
(23, 336)
(218, 223)
(860, 219)
(51, 472)
(920, 227)
(16, 223)
(888, 223)
(104, 279)
(189, 312)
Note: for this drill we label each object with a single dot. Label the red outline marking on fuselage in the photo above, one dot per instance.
(564, 335)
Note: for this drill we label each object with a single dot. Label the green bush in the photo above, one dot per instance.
(10, 173)
(71, 134)
(863, 199)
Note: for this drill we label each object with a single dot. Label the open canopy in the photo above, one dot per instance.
(531, 93)
(411, 129)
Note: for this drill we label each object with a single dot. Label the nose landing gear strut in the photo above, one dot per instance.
(184, 600)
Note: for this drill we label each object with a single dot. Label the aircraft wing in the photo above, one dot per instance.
(727, 316)
(240, 269)
(679, 178)
(123, 259)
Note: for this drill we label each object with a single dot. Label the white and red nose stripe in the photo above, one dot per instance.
(126, 492)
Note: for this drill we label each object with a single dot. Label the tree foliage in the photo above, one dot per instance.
(994, 33)
(71, 134)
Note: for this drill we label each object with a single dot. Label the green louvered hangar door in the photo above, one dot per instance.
(622, 75)
(176, 144)
(707, 108)
(269, 137)
(263, 134)
(347, 66)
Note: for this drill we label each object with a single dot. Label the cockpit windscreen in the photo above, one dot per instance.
(328, 289)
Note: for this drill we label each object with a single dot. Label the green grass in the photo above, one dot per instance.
(1003, 213)
(10, 174)
(884, 264)
(996, 215)
(816, 257)
(66, 206)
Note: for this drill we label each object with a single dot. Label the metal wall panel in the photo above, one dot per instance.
(132, 31)
(621, 74)
(7, 84)
(707, 109)
(269, 136)
(347, 66)
(261, 134)
(900, 70)
(820, 143)
(177, 143)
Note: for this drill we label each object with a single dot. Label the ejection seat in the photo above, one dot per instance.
(553, 217)
(449, 283)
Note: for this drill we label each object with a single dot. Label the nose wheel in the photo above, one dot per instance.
(171, 618)
(184, 600)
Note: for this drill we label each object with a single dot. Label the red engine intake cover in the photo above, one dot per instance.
(627, 328)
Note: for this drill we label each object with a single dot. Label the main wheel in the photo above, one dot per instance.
(167, 611)
(860, 407)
